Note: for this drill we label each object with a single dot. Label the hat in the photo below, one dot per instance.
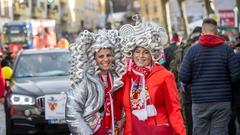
(143, 34)
(106, 39)
(83, 50)
(175, 38)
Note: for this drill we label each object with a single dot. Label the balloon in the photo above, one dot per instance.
(7, 72)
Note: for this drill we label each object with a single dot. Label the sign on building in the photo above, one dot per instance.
(226, 18)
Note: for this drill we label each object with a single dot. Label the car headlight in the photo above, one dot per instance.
(21, 100)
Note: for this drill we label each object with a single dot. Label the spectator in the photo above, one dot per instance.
(169, 51)
(6, 60)
(236, 103)
(182, 49)
(186, 102)
(210, 67)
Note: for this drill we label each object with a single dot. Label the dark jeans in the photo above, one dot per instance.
(238, 114)
(211, 118)
(188, 116)
(232, 125)
(238, 120)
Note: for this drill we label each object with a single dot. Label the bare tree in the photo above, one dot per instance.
(165, 16)
(208, 7)
(183, 16)
(238, 6)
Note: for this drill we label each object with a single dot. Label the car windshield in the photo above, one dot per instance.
(42, 65)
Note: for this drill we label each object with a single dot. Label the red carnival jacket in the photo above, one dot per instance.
(164, 95)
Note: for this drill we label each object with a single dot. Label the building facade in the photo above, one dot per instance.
(156, 11)
(196, 12)
(6, 12)
(69, 15)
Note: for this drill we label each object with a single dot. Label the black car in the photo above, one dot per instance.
(37, 74)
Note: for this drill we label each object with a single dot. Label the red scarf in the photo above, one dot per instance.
(108, 89)
(139, 96)
(144, 70)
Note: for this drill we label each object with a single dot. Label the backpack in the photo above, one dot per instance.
(177, 59)
(169, 53)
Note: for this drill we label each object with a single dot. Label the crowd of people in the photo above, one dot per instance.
(210, 68)
(127, 82)
(121, 85)
(47, 38)
(118, 85)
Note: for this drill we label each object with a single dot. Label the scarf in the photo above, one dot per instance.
(141, 104)
(108, 116)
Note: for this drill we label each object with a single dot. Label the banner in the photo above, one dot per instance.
(226, 18)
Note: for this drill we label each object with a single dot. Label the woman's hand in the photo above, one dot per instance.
(1, 100)
(120, 125)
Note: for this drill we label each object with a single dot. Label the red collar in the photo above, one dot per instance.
(210, 40)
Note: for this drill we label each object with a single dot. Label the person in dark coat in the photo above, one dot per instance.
(169, 51)
(236, 94)
(210, 67)
(185, 94)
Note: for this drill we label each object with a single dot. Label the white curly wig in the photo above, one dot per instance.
(146, 35)
(84, 49)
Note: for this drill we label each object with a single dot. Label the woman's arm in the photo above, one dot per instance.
(118, 110)
(74, 110)
(173, 105)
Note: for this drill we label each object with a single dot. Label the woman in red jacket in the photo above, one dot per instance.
(149, 96)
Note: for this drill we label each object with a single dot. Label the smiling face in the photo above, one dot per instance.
(104, 59)
(142, 57)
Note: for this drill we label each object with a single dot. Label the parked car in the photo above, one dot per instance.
(40, 77)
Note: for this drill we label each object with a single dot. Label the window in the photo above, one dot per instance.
(26, 3)
(146, 9)
(155, 20)
(42, 5)
(47, 64)
(155, 9)
(5, 13)
(34, 3)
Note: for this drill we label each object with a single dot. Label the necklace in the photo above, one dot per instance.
(104, 77)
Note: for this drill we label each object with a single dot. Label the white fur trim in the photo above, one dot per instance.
(141, 114)
(151, 110)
